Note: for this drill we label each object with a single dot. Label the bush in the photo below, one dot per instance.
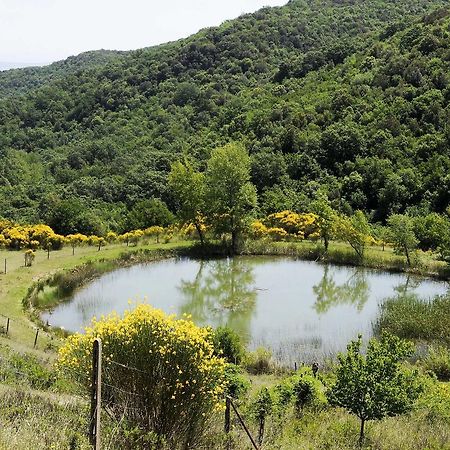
(438, 362)
(258, 362)
(236, 384)
(228, 345)
(304, 392)
(164, 367)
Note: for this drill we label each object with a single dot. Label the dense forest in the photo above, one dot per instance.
(347, 96)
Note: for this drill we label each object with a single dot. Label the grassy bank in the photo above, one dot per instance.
(15, 285)
(424, 264)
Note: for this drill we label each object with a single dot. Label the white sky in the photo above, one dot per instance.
(41, 31)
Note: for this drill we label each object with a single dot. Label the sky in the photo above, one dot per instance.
(43, 31)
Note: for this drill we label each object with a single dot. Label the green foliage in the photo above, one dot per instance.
(327, 217)
(412, 318)
(401, 233)
(148, 213)
(355, 230)
(304, 392)
(258, 361)
(188, 187)
(228, 345)
(438, 362)
(374, 385)
(346, 97)
(237, 384)
(231, 197)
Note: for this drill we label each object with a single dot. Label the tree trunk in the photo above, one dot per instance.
(234, 242)
(361, 433)
(408, 259)
(48, 253)
(200, 233)
(261, 430)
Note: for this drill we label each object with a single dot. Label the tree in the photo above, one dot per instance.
(355, 230)
(374, 385)
(230, 196)
(148, 213)
(401, 231)
(326, 217)
(76, 240)
(188, 188)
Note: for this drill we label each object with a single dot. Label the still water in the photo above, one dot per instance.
(301, 310)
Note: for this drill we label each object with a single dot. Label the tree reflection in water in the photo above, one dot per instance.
(354, 291)
(222, 293)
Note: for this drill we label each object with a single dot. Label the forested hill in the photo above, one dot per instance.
(349, 95)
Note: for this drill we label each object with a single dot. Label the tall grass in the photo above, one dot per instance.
(411, 318)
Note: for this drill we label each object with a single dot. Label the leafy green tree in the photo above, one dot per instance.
(374, 385)
(401, 232)
(188, 188)
(355, 230)
(327, 217)
(231, 197)
(148, 213)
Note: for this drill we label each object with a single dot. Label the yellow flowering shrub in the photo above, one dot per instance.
(154, 232)
(299, 225)
(258, 230)
(76, 240)
(277, 234)
(163, 367)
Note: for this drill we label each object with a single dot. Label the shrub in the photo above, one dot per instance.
(236, 384)
(258, 362)
(227, 344)
(165, 368)
(438, 362)
(261, 407)
(304, 392)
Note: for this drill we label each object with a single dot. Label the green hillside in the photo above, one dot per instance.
(349, 95)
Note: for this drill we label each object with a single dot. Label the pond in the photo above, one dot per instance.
(301, 310)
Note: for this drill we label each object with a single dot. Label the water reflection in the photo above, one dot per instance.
(301, 310)
(224, 294)
(354, 291)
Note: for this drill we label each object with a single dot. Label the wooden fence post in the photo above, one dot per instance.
(36, 338)
(5, 266)
(96, 394)
(7, 326)
(241, 420)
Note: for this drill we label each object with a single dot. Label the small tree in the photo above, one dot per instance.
(76, 240)
(374, 385)
(326, 221)
(188, 188)
(261, 408)
(355, 230)
(29, 257)
(401, 232)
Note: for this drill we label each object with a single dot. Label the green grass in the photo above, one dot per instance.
(411, 318)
